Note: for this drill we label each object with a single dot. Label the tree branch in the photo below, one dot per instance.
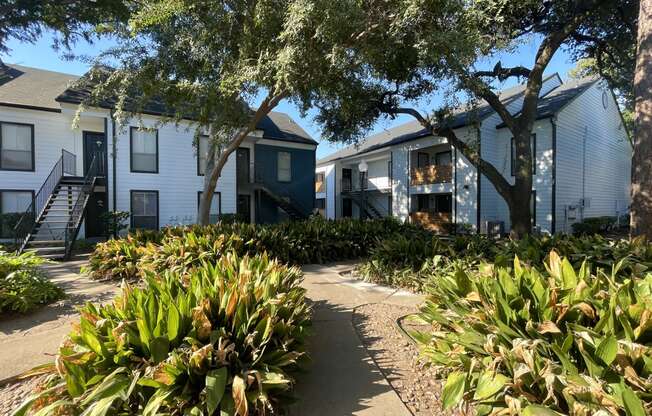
(504, 73)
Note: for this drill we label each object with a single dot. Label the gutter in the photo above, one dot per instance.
(479, 185)
(113, 161)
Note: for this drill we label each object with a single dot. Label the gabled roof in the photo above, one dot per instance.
(462, 116)
(553, 102)
(26, 87)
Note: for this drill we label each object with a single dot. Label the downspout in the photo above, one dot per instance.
(583, 202)
(479, 186)
(455, 189)
(113, 162)
(553, 221)
(409, 183)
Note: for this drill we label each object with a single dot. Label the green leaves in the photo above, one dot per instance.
(453, 389)
(489, 383)
(607, 350)
(215, 387)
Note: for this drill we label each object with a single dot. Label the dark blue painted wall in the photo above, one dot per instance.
(301, 189)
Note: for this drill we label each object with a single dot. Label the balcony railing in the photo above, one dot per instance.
(439, 222)
(432, 174)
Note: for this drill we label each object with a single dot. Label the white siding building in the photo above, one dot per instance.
(582, 165)
(147, 168)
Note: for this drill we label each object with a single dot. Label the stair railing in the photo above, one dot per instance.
(66, 164)
(77, 213)
(261, 180)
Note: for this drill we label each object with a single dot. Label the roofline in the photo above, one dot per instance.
(481, 119)
(559, 110)
(30, 107)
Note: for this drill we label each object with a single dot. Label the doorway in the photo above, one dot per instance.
(95, 147)
(243, 208)
(242, 166)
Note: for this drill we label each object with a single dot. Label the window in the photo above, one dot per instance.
(319, 182)
(284, 173)
(216, 206)
(444, 203)
(533, 148)
(144, 209)
(144, 150)
(320, 206)
(13, 205)
(202, 155)
(423, 159)
(16, 146)
(444, 159)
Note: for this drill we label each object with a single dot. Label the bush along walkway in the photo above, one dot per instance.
(342, 379)
(32, 339)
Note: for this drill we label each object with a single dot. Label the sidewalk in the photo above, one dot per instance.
(342, 378)
(33, 339)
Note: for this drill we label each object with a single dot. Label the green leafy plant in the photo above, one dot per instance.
(225, 338)
(23, 286)
(115, 222)
(559, 341)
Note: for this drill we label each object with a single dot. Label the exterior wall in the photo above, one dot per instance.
(177, 181)
(329, 195)
(593, 158)
(301, 189)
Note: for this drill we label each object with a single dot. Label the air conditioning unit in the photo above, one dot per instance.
(493, 228)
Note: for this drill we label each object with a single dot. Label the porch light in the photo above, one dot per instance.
(363, 167)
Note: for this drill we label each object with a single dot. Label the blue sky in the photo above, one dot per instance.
(41, 55)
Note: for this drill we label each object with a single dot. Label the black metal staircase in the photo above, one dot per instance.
(50, 225)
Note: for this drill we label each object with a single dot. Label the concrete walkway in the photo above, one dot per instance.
(33, 339)
(343, 379)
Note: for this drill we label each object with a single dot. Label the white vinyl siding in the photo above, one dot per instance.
(284, 167)
(16, 147)
(144, 150)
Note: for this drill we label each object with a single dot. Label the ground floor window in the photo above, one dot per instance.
(216, 206)
(13, 204)
(320, 206)
(435, 203)
(144, 210)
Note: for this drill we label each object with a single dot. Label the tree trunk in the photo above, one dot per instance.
(641, 220)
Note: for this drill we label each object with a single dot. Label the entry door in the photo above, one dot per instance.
(347, 208)
(242, 165)
(94, 224)
(244, 207)
(347, 177)
(95, 146)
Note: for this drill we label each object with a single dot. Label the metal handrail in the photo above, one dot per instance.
(66, 164)
(77, 212)
(259, 178)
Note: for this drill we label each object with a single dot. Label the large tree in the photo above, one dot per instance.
(224, 65)
(412, 46)
(25, 20)
(641, 222)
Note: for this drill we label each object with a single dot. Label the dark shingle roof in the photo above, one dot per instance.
(37, 88)
(412, 130)
(31, 87)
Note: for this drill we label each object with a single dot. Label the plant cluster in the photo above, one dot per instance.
(23, 286)
(182, 248)
(542, 341)
(224, 338)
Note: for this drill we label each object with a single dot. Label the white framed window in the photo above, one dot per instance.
(284, 167)
(202, 155)
(144, 150)
(16, 146)
(216, 206)
(13, 204)
(144, 209)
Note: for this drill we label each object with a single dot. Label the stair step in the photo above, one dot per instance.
(44, 242)
(47, 249)
(53, 256)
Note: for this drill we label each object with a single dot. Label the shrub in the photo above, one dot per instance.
(23, 286)
(302, 242)
(522, 341)
(595, 225)
(225, 337)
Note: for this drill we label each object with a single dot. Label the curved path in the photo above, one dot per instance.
(342, 378)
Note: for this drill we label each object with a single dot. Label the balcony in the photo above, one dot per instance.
(432, 174)
(320, 187)
(438, 222)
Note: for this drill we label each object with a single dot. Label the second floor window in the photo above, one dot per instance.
(16, 146)
(284, 167)
(202, 155)
(444, 159)
(144, 150)
(319, 182)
